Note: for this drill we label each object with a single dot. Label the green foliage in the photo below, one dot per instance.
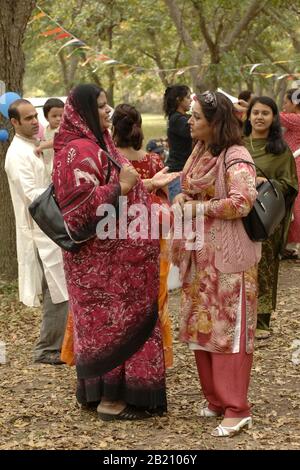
(113, 28)
(142, 36)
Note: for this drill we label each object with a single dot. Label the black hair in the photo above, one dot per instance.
(293, 94)
(13, 111)
(84, 100)
(245, 95)
(275, 143)
(127, 127)
(52, 103)
(220, 115)
(172, 97)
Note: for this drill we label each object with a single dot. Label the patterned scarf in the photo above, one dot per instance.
(72, 126)
(199, 172)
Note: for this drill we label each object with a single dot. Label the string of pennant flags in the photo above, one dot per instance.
(59, 33)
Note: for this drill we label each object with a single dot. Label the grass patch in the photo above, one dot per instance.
(154, 127)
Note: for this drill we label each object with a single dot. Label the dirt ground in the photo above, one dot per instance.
(38, 408)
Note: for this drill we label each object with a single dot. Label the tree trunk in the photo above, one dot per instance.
(13, 20)
(196, 54)
(111, 86)
(68, 68)
(111, 73)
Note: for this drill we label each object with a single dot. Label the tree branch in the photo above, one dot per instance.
(177, 17)
(208, 39)
(267, 54)
(285, 26)
(196, 54)
(253, 10)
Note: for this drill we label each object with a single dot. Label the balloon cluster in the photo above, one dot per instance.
(5, 101)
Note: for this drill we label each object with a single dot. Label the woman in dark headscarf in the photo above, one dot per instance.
(112, 282)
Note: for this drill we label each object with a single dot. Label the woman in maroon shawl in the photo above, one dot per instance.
(113, 283)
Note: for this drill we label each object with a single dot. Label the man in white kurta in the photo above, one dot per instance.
(40, 265)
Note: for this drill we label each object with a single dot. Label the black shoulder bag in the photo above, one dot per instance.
(268, 209)
(46, 213)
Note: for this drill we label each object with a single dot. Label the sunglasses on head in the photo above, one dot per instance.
(209, 97)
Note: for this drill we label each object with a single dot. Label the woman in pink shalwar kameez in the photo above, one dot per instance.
(219, 273)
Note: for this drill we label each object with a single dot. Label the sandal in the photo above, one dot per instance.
(129, 413)
(289, 254)
(230, 431)
(262, 334)
(208, 413)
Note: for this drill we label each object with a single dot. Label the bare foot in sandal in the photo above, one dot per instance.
(129, 413)
(111, 407)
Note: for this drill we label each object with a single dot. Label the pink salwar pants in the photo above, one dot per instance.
(225, 378)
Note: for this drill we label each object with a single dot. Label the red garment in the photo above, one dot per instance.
(225, 377)
(291, 123)
(112, 283)
(148, 166)
(294, 231)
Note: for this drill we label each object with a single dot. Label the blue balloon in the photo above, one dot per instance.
(6, 100)
(4, 135)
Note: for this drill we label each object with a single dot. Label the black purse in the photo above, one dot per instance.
(46, 213)
(268, 210)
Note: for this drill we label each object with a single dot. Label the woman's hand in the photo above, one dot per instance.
(128, 178)
(243, 103)
(181, 199)
(260, 180)
(162, 178)
(193, 204)
(241, 106)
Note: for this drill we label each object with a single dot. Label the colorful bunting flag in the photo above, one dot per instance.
(254, 67)
(62, 36)
(180, 72)
(101, 57)
(39, 15)
(110, 62)
(61, 33)
(50, 32)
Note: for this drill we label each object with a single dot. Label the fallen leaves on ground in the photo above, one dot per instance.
(38, 409)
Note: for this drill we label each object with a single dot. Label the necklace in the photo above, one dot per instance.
(251, 143)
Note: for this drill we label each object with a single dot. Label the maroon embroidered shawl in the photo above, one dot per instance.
(113, 284)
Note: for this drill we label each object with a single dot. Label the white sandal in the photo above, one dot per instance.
(207, 413)
(229, 431)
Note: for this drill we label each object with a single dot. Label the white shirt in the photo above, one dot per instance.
(28, 179)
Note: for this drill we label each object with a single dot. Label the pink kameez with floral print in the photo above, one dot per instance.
(210, 316)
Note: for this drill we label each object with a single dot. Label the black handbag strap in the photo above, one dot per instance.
(233, 162)
(110, 158)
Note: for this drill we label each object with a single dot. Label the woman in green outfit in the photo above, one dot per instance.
(272, 155)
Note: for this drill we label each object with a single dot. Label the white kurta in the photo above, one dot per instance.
(48, 154)
(27, 180)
